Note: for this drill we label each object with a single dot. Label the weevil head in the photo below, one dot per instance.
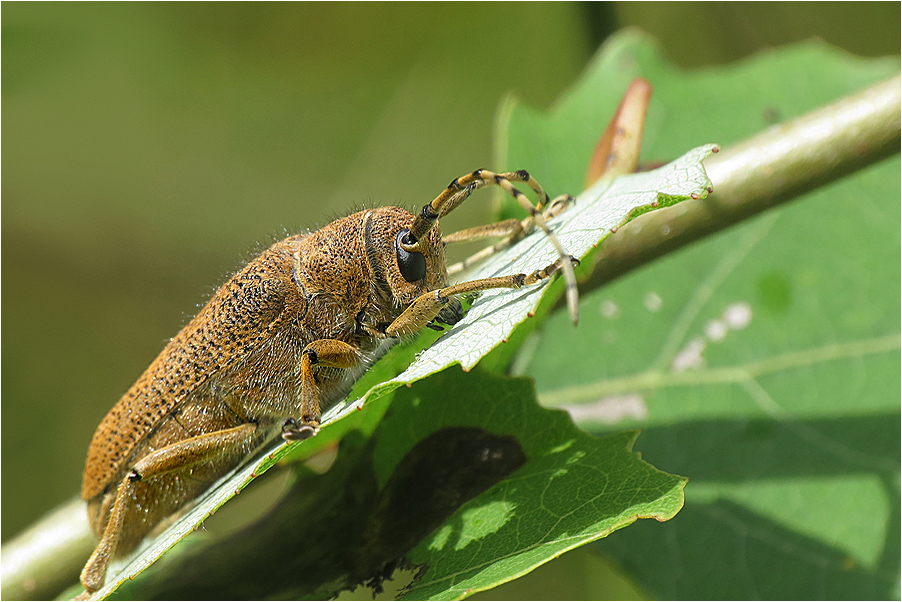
(403, 274)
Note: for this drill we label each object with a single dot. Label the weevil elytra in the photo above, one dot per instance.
(283, 338)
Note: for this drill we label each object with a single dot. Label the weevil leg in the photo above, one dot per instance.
(426, 307)
(512, 230)
(322, 352)
(177, 456)
(509, 227)
(292, 431)
(506, 228)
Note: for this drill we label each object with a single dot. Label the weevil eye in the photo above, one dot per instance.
(412, 265)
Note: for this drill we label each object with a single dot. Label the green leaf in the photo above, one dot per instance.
(763, 363)
(532, 486)
(574, 489)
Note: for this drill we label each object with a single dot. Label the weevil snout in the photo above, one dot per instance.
(450, 314)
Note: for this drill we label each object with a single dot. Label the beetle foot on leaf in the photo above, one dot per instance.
(292, 431)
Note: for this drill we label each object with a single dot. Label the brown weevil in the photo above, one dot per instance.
(283, 338)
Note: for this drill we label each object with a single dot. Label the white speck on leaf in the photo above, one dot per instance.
(738, 315)
(716, 330)
(609, 309)
(610, 410)
(690, 356)
(653, 302)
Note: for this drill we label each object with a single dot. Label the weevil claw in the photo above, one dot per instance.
(292, 431)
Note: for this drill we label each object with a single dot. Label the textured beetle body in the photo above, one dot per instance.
(238, 361)
(283, 338)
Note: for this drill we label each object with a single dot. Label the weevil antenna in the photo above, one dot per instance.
(460, 189)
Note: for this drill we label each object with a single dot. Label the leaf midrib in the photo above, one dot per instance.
(658, 378)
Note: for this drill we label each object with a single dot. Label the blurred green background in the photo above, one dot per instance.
(150, 149)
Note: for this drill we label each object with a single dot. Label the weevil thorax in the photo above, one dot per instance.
(358, 264)
(400, 274)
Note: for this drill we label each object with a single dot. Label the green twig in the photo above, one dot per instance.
(778, 165)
